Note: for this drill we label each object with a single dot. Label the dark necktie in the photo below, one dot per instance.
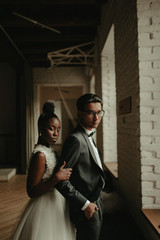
(91, 134)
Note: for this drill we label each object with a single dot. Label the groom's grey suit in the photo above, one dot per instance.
(86, 181)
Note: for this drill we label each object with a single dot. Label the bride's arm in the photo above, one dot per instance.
(35, 186)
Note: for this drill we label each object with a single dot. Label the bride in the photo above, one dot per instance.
(46, 216)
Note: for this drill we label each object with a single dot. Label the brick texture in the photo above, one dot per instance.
(109, 99)
(137, 69)
(149, 71)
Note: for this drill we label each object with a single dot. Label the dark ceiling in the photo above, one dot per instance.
(34, 28)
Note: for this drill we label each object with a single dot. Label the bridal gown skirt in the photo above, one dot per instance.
(45, 218)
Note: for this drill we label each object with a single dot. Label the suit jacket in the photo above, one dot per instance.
(87, 179)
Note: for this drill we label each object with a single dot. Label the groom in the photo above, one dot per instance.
(83, 189)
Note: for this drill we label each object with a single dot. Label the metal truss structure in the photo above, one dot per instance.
(83, 54)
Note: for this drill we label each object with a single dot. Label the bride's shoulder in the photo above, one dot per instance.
(47, 151)
(39, 148)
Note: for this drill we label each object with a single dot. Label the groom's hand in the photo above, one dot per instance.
(89, 211)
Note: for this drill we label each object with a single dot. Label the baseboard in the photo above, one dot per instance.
(7, 173)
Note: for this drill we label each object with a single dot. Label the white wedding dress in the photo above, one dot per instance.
(46, 217)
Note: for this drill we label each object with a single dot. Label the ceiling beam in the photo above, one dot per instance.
(55, 2)
(48, 38)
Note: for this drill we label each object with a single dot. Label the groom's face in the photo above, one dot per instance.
(91, 116)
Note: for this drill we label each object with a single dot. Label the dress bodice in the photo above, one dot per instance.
(50, 159)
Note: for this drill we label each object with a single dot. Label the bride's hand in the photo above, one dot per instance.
(63, 173)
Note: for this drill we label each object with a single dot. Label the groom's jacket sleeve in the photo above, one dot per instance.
(70, 154)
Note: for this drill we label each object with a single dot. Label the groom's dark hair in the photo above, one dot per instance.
(87, 98)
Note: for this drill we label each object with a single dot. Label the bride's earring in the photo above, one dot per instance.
(40, 134)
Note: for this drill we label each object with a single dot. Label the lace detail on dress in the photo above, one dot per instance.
(50, 160)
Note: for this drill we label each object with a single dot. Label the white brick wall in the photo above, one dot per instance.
(149, 77)
(109, 99)
(158, 184)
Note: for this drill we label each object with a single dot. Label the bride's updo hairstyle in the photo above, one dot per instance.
(48, 113)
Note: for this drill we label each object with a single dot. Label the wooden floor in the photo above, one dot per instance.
(13, 198)
(153, 215)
